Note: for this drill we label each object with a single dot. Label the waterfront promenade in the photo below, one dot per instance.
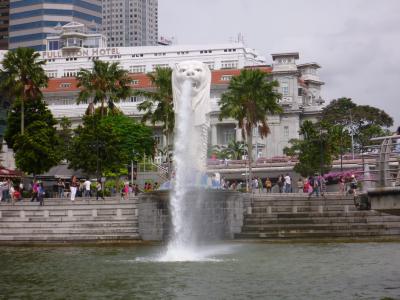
(265, 217)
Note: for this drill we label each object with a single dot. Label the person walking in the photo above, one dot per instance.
(99, 191)
(260, 185)
(73, 187)
(341, 185)
(86, 188)
(313, 181)
(35, 187)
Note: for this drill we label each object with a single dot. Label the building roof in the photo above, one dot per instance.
(285, 54)
(311, 64)
(140, 81)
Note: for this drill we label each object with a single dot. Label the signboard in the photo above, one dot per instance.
(79, 53)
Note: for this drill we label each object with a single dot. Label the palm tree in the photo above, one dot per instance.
(249, 98)
(158, 104)
(236, 149)
(23, 76)
(106, 82)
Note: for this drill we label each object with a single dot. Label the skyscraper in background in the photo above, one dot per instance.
(32, 20)
(130, 22)
(4, 23)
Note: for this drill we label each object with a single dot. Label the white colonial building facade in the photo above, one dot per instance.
(300, 85)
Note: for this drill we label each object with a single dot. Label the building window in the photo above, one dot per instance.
(285, 88)
(226, 77)
(51, 74)
(229, 64)
(160, 66)
(229, 136)
(286, 131)
(65, 84)
(210, 65)
(135, 81)
(137, 69)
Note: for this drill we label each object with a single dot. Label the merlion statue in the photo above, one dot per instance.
(197, 78)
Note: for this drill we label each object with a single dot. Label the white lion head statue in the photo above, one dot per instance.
(200, 76)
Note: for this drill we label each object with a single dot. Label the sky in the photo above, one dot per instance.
(356, 42)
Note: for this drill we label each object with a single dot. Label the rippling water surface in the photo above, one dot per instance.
(231, 271)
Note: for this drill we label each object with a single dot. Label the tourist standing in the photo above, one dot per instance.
(300, 185)
(60, 187)
(281, 181)
(353, 185)
(341, 185)
(268, 185)
(86, 188)
(73, 187)
(288, 183)
(260, 185)
(99, 191)
(35, 187)
(41, 194)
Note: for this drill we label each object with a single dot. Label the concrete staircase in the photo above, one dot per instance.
(284, 216)
(61, 220)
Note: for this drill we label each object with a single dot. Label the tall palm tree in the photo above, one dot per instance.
(23, 76)
(249, 98)
(106, 82)
(158, 103)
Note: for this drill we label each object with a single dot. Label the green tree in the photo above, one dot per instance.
(34, 110)
(36, 150)
(107, 144)
(249, 98)
(319, 146)
(23, 77)
(364, 121)
(105, 83)
(65, 135)
(158, 104)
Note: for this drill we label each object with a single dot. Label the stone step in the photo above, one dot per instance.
(66, 231)
(68, 219)
(72, 238)
(317, 234)
(36, 206)
(287, 202)
(320, 220)
(299, 209)
(100, 224)
(322, 227)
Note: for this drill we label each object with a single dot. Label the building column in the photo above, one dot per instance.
(214, 135)
(239, 137)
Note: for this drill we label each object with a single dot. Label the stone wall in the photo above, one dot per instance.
(219, 214)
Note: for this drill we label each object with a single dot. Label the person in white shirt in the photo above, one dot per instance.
(86, 186)
(288, 183)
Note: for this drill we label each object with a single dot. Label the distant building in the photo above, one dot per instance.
(75, 36)
(4, 23)
(128, 23)
(31, 21)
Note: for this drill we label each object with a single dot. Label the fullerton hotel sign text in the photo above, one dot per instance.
(80, 53)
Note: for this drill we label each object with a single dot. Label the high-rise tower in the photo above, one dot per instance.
(130, 22)
(4, 23)
(32, 20)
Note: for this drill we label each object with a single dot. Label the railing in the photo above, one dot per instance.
(386, 172)
(148, 165)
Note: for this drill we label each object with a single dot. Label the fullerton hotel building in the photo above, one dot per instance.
(73, 47)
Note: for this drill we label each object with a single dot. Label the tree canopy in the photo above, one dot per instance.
(106, 83)
(250, 97)
(107, 144)
(22, 77)
(364, 121)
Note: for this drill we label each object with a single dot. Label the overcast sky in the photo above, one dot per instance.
(357, 42)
